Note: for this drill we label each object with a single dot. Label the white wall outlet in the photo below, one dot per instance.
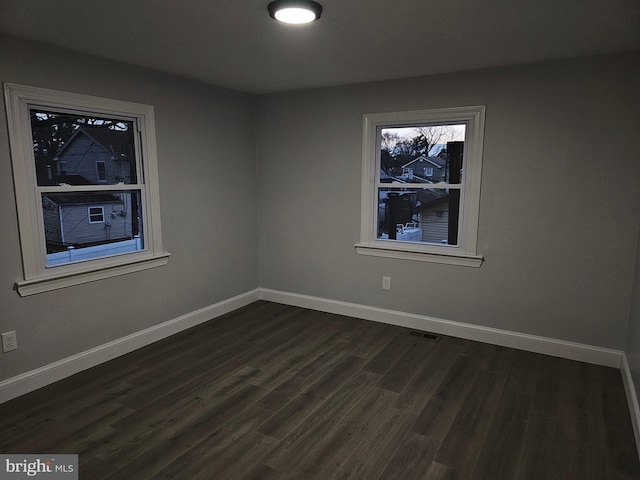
(9, 341)
(386, 283)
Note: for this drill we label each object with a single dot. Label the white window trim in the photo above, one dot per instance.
(37, 277)
(465, 253)
(89, 214)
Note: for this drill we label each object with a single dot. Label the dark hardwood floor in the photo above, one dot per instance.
(277, 392)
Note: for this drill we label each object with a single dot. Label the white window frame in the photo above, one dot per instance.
(89, 214)
(19, 99)
(465, 253)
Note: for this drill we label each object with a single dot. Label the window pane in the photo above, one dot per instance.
(422, 154)
(82, 150)
(86, 225)
(419, 215)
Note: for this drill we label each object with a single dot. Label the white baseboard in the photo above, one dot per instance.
(40, 377)
(548, 346)
(632, 399)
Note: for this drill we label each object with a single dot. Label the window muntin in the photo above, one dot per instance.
(421, 184)
(53, 183)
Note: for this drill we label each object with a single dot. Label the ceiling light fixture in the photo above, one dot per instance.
(295, 11)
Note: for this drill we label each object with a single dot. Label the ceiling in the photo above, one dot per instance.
(235, 44)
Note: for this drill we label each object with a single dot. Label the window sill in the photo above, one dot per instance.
(54, 282)
(454, 258)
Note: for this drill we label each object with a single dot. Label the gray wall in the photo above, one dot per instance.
(559, 210)
(206, 157)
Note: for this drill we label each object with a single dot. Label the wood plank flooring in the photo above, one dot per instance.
(283, 393)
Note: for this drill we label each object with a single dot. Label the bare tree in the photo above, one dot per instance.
(389, 144)
(428, 137)
(389, 140)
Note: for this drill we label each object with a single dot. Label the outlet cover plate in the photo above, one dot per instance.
(9, 342)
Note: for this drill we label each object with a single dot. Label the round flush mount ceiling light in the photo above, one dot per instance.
(295, 11)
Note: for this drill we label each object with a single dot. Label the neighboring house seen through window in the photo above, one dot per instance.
(91, 158)
(421, 185)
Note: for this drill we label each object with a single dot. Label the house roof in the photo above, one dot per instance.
(385, 177)
(112, 141)
(74, 180)
(115, 141)
(435, 161)
(431, 198)
(83, 198)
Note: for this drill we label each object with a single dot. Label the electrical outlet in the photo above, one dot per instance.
(9, 341)
(386, 283)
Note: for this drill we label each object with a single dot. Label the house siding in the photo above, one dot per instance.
(420, 165)
(434, 229)
(51, 215)
(83, 147)
(78, 230)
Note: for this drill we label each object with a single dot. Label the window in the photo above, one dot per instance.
(101, 169)
(421, 185)
(62, 168)
(96, 214)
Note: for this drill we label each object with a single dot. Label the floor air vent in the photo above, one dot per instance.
(426, 335)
